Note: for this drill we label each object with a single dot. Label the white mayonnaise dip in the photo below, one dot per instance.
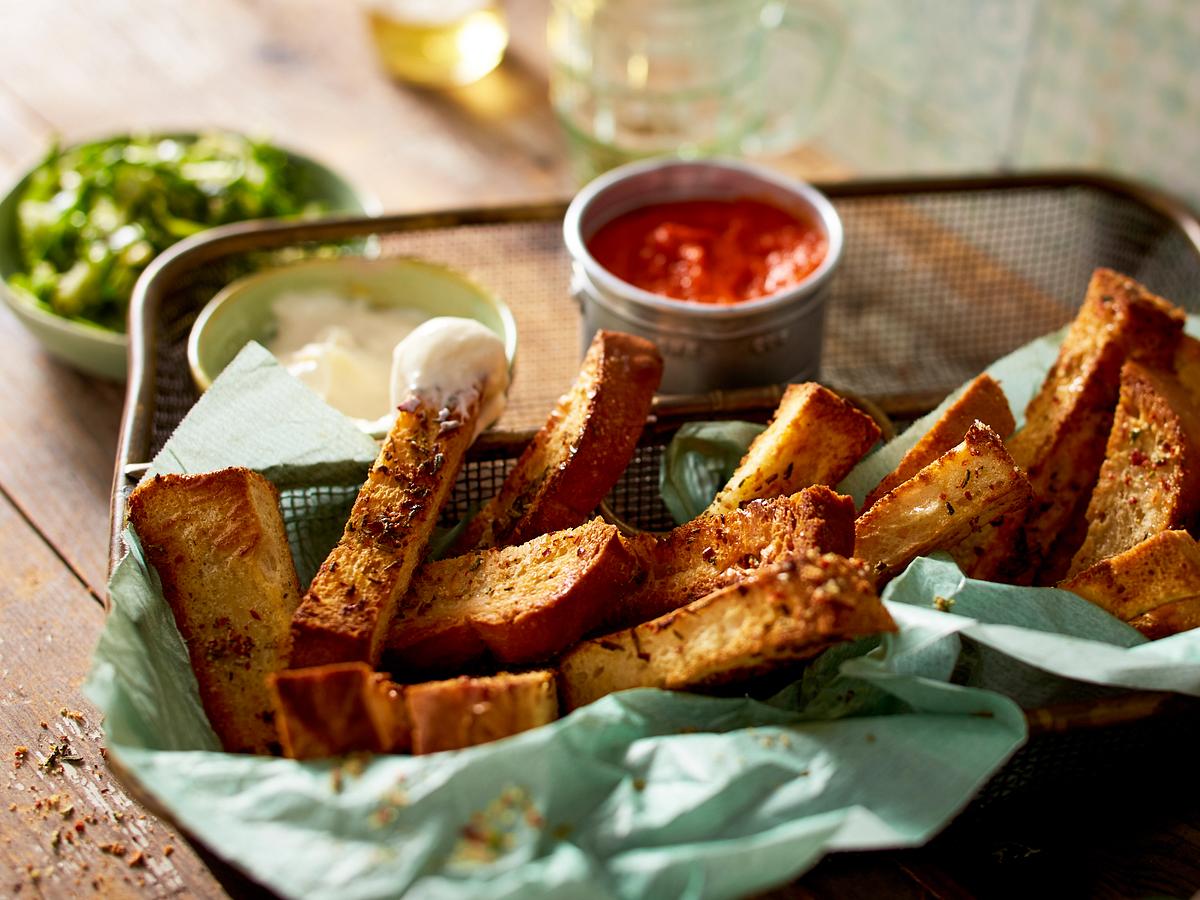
(444, 357)
(341, 347)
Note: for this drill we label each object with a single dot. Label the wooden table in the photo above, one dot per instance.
(301, 70)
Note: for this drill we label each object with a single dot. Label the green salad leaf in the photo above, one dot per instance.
(91, 218)
(697, 463)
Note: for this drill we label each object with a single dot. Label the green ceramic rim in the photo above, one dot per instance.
(229, 295)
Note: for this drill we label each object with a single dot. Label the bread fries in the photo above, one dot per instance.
(777, 615)
(1058, 447)
(463, 712)
(351, 602)
(776, 570)
(580, 452)
(982, 401)
(1168, 619)
(218, 544)
(1150, 479)
(1187, 365)
(348, 708)
(713, 551)
(516, 605)
(955, 495)
(815, 437)
(337, 709)
(1160, 570)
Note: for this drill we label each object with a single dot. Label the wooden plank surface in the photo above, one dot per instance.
(60, 439)
(302, 72)
(68, 829)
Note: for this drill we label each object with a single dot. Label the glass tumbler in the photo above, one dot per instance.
(438, 43)
(638, 78)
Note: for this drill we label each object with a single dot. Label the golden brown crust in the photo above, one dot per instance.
(777, 615)
(1150, 479)
(1160, 570)
(996, 552)
(337, 709)
(580, 452)
(218, 544)
(983, 400)
(815, 437)
(1187, 365)
(954, 496)
(713, 551)
(345, 615)
(464, 712)
(1169, 619)
(1059, 447)
(517, 605)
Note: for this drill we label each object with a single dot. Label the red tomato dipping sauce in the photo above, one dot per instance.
(710, 251)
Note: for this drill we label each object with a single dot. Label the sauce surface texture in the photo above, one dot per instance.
(709, 251)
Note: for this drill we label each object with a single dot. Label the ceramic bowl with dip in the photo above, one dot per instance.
(333, 323)
(723, 264)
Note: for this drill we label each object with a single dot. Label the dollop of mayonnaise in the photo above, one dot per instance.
(341, 347)
(447, 358)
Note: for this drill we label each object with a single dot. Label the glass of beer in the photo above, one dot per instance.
(438, 43)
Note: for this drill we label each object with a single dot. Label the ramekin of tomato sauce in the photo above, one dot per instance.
(725, 265)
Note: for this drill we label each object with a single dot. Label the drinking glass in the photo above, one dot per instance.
(637, 78)
(438, 43)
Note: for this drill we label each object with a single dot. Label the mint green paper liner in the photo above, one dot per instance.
(643, 794)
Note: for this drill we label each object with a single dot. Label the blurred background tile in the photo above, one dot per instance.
(935, 87)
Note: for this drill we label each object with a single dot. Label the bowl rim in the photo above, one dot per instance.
(23, 304)
(825, 213)
(231, 291)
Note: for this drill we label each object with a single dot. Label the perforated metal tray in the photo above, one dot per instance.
(940, 277)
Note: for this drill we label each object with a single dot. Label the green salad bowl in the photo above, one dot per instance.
(102, 352)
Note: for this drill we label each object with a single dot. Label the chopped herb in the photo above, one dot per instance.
(949, 508)
(966, 479)
(60, 753)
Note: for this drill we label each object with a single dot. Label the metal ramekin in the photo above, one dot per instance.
(705, 347)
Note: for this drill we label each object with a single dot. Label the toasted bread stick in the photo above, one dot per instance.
(1170, 618)
(956, 494)
(347, 708)
(516, 605)
(580, 452)
(713, 551)
(1058, 447)
(463, 712)
(1162, 569)
(351, 602)
(337, 709)
(983, 400)
(1187, 365)
(218, 544)
(815, 437)
(777, 615)
(1150, 479)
